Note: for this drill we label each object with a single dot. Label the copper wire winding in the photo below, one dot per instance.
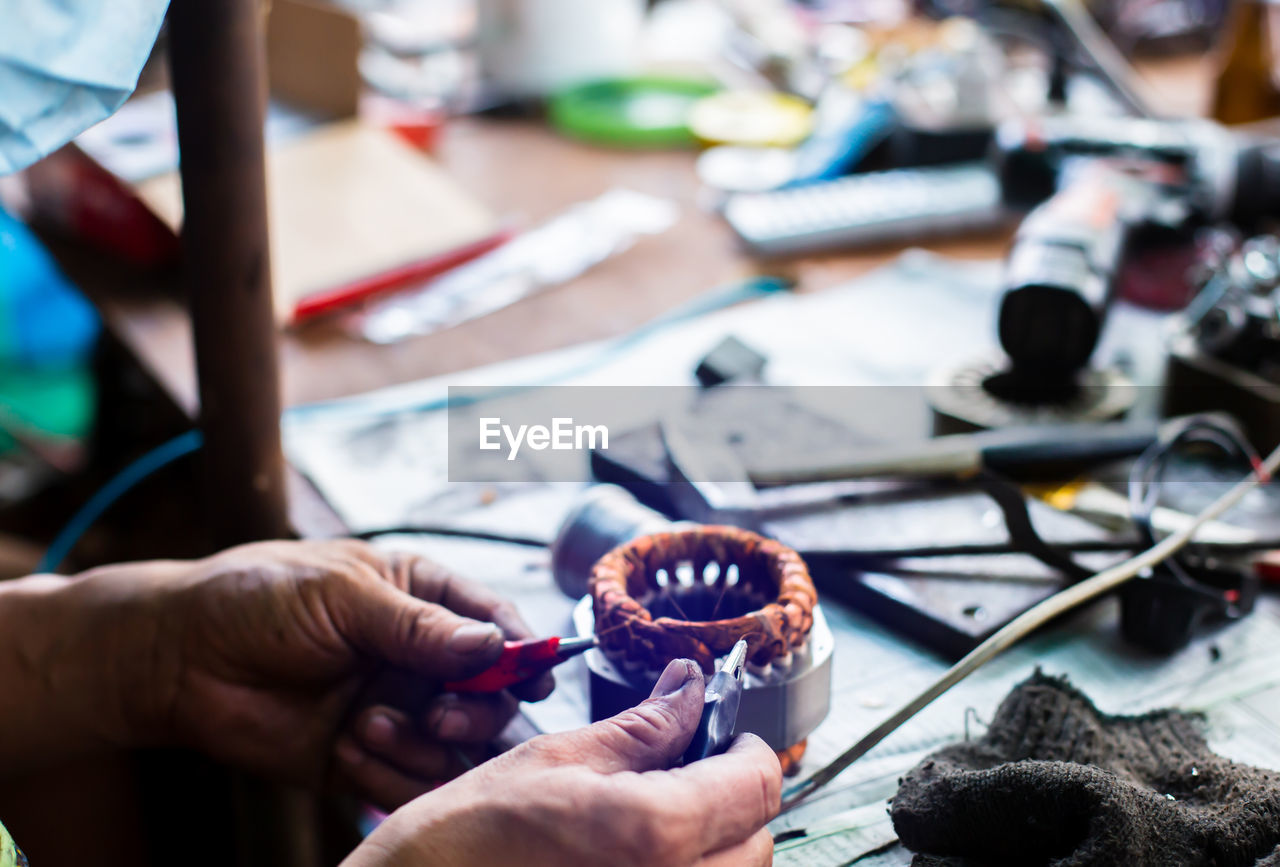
(769, 574)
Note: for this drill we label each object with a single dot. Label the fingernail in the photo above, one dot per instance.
(674, 677)
(380, 731)
(349, 753)
(472, 636)
(451, 724)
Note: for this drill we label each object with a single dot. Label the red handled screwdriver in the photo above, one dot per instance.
(521, 661)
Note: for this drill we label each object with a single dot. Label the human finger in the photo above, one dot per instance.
(431, 582)
(372, 778)
(390, 735)
(748, 769)
(650, 735)
(470, 719)
(534, 689)
(755, 851)
(426, 638)
(427, 580)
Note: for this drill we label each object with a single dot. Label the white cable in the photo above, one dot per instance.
(1029, 621)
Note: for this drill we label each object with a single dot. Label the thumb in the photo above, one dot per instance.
(654, 733)
(385, 622)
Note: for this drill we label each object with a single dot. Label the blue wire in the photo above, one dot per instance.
(711, 301)
(158, 458)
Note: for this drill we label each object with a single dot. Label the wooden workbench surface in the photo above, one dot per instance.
(523, 170)
(526, 172)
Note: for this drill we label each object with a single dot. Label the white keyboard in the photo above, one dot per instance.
(899, 205)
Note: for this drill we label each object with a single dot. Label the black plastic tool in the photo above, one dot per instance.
(730, 361)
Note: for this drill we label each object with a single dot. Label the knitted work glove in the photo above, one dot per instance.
(1056, 782)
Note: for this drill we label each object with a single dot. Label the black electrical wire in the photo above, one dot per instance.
(453, 532)
(1083, 546)
(868, 555)
(1033, 618)
(1147, 477)
(1145, 482)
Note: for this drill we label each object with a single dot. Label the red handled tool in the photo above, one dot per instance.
(1267, 568)
(521, 661)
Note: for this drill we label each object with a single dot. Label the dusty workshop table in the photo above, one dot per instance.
(525, 170)
(522, 169)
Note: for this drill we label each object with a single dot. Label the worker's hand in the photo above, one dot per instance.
(598, 795)
(315, 661)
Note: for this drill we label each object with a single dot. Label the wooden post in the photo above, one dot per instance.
(219, 87)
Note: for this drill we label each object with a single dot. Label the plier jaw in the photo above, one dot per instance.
(720, 707)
